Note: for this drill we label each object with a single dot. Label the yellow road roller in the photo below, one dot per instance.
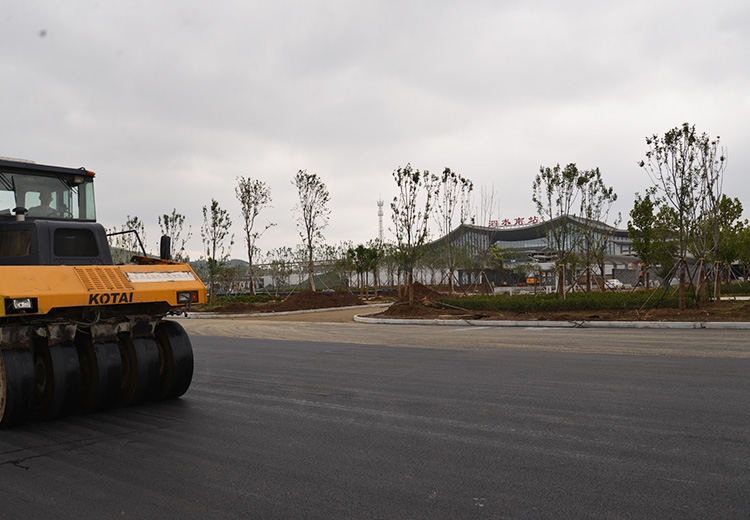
(78, 333)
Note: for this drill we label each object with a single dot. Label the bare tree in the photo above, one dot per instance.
(173, 227)
(452, 208)
(312, 215)
(214, 232)
(596, 202)
(254, 196)
(411, 213)
(479, 254)
(487, 209)
(715, 206)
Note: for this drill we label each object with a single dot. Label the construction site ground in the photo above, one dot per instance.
(337, 325)
(426, 308)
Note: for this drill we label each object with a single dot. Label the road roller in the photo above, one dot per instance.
(77, 332)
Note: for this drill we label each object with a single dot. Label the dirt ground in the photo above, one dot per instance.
(425, 308)
(720, 311)
(296, 302)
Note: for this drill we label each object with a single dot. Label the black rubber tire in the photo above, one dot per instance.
(101, 374)
(58, 380)
(177, 360)
(16, 386)
(140, 369)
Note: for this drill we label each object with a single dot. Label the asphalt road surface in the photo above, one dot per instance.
(345, 429)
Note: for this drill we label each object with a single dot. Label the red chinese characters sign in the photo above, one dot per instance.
(518, 221)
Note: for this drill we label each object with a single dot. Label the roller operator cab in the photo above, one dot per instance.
(78, 333)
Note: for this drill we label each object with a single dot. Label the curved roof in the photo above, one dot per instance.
(529, 232)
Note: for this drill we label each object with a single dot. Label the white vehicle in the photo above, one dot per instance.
(614, 283)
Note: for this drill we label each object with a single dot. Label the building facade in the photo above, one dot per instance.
(529, 245)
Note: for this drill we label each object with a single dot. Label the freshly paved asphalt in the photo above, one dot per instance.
(297, 429)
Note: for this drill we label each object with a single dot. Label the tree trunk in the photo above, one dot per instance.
(717, 281)
(252, 281)
(250, 270)
(410, 287)
(310, 274)
(561, 282)
(683, 268)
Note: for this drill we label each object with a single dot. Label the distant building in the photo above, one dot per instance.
(528, 245)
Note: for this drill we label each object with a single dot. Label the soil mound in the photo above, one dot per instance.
(297, 302)
(317, 300)
(421, 292)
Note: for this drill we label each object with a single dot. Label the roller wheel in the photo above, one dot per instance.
(140, 369)
(101, 373)
(16, 386)
(177, 360)
(58, 380)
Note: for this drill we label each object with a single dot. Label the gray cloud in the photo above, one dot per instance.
(169, 102)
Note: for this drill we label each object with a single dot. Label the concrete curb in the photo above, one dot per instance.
(716, 325)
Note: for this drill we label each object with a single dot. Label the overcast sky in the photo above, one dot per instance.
(169, 101)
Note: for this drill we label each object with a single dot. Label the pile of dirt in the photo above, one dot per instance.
(421, 292)
(296, 302)
(318, 300)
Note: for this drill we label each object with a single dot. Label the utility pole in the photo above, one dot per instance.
(380, 220)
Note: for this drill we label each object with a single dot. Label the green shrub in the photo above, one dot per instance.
(735, 288)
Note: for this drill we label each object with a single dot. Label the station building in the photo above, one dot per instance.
(527, 244)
